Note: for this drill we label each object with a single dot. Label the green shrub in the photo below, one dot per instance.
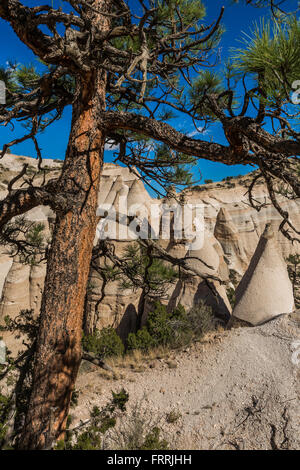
(141, 340)
(104, 343)
(89, 435)
(231, 295)
(153, 441)
(137, 430)
(201, 319)
(88, 440)
(156, 332)
(173, 329)
(181, 327)
(158, 325)
(119, 400)
(168, 328)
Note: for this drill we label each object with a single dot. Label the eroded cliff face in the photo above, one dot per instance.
(232, 232)
(235, 224)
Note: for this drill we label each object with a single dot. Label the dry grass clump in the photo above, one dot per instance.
(137, 358)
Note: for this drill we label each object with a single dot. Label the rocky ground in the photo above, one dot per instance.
(236, 389)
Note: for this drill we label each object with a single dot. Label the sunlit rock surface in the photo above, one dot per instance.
(232, 233)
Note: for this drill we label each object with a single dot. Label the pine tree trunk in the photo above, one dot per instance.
(58, 354)
(59, 342)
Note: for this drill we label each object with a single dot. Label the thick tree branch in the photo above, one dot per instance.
(165, 133)
(21, 19)
(20, 201)
(54, 49)
(267, 141)
(241, 127)
(182, 262)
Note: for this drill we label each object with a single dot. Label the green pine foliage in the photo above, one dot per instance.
(268, 61)
(190, 9)
(23, 79)
(25, 239)
(160, 323)
(139, 433)
(205, 83)
(173, 166)
(147, 272)
(271, 52)
(153, 441)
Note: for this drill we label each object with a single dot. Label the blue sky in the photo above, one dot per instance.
(237, 19)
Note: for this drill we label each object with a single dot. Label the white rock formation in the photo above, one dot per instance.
(16, 290)
(265, 290)
(228, 235)
(206, 261)
(232, 228)
(5, 265)
(36, 286)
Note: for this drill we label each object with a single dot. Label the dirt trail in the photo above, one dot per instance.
(240, 389)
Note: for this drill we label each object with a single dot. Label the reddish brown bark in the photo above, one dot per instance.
(58, 353)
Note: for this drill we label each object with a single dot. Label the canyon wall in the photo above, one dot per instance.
(232, 232)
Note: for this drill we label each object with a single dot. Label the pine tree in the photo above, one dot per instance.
(125, 70)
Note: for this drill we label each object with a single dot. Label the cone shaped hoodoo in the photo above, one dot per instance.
(265, 290)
